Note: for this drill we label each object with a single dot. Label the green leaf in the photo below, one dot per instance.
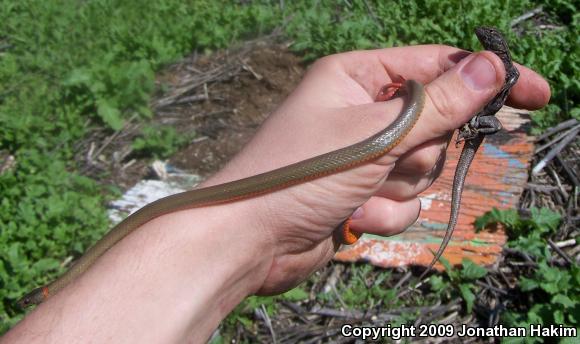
(472, 271)
(78, 77)
(527, 284)
(467, 296)
(545, 219)
(110, 114)
(437, 283)
(559, 317)
(46, 264)
(563, 300)
(296, 294)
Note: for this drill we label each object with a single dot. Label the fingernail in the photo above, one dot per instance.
(358, 213)
(479, 74)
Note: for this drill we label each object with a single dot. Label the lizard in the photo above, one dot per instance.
(474, 132)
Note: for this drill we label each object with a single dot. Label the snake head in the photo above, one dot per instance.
(492, 39)
(33, 298)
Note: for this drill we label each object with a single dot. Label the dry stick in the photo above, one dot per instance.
(297, 309)
(525, 16)
(213, 75)
(492, 278)
(549, 26)
(504, 278)
(524, 255)
(569, 171)
(571, 135)
(490, 287)
(268, 323)
(566, 243)
(557, 128)
(190, 99)
(560, 252)
(452, 306)
(249, 68)
(403, 280)
(541, 188)
(112, 137)
(558, 138)
(335, 313)
(558, 182)
(90, 153)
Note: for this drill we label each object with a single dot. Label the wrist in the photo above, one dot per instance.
(174, 279)
(224, 255)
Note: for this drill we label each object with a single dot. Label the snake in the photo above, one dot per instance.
(319, 166)
(316, 167)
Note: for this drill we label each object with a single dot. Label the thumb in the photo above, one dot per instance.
(456, 95)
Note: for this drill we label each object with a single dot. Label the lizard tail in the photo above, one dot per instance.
(467, 154)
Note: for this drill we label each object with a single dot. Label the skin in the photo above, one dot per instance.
(474, 132)
(154, 286)
(322, 165)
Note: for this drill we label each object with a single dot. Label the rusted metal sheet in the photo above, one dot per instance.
(496, 179)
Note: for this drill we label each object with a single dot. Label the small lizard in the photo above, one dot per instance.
(473, 132)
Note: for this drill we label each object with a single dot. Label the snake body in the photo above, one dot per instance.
(316, 167)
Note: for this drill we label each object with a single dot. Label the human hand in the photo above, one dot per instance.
(334, 107)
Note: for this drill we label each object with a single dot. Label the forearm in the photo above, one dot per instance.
(173, 279)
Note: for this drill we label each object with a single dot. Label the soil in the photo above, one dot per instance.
(247, 102)
(218, 100)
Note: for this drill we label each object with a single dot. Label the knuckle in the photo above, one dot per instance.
(444, 102)
(327, 62)
(428, 158)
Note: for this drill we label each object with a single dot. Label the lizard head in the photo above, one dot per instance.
(491, 39)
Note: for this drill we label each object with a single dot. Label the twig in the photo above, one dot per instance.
(557, 128)
(268, 322)
(560, 252)
(248, 68)
(112, 137)
(489, 286)
(529, 260)
(549, 27)
(333, 278)
(403, 280)
(558, 182)
(296, 309)
(569, 171)
(190, 99)
(541, 188)
(566, 243)
(525, 16)
(336, 313)
(540, 166)
(556, 139)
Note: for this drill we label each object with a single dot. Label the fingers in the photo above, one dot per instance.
(374, 68)
(531, 92)
(455, 96)
(382, 216)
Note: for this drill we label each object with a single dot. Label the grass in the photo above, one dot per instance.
(68, 65)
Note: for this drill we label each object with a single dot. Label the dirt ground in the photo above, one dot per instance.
(219, 100)
(248, 98)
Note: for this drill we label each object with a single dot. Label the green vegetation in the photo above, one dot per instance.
(67, 66)
(460, 282)
(551, 295)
